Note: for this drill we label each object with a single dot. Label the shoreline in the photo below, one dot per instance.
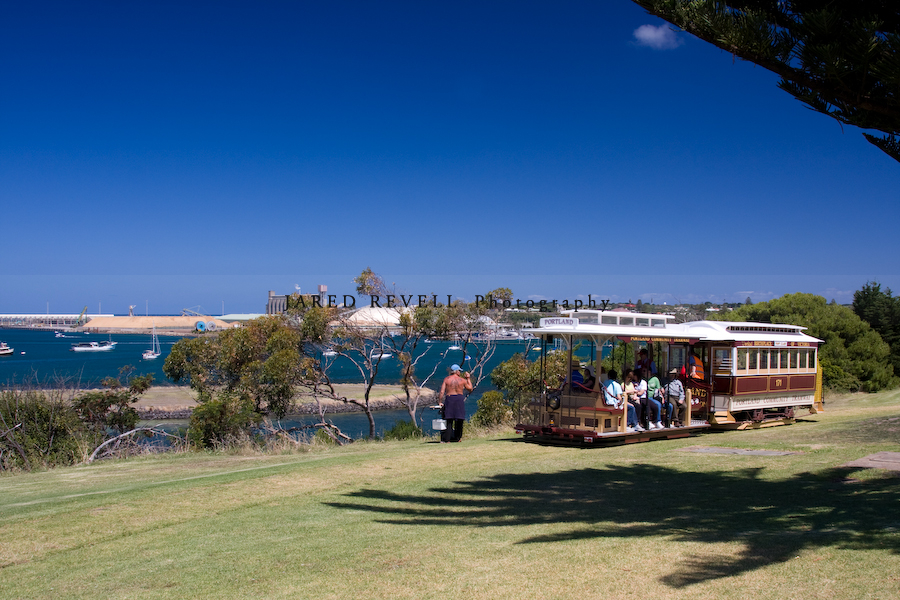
(178, 402)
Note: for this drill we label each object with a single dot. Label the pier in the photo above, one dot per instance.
(47, 321)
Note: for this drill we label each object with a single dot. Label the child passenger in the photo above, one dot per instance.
(634, 416)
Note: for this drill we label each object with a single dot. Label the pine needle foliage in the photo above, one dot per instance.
(839, 58)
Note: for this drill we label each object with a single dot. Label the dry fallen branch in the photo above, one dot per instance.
(126, 434)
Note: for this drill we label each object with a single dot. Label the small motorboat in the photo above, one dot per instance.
(94, 346)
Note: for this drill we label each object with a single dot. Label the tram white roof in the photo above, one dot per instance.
(609, 323)
(747, 331)
(598, 323)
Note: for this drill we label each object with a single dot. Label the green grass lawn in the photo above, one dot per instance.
(492, 517)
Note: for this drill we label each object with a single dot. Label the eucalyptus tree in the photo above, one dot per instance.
(241, 375)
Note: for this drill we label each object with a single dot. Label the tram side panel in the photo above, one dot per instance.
(764, 398)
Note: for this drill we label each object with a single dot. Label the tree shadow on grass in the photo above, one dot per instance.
(774, 520)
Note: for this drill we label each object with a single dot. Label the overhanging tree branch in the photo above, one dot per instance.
(838, 58)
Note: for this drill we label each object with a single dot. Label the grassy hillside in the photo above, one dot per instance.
(492, 517)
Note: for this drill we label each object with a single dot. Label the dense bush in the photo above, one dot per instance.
(520, 379)
(881, 310)
(222, 420)
(39, 429)
(110, 409)
(403, 430)
(493, 409)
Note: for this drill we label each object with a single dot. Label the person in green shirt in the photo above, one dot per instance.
(653, 386)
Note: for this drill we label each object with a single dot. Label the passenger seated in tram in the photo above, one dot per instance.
(589, 380)
(673, 391)
(650, 408)
(577, 380)
(655, 400)
(643, 362)
(613, 395)
(576, 376)
(633, 422)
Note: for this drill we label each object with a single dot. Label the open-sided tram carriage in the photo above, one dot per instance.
(736, 375)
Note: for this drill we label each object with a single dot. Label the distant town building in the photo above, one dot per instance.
(278, 305)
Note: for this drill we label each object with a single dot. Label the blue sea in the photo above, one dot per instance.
(44, 360)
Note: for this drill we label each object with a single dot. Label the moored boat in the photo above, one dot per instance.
(5, 350)
(154, 350)
(93, 346)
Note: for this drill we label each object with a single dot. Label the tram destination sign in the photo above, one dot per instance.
(559, 322)
(659, 338)
(778, 344)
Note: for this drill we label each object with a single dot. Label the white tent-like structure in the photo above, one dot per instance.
(375, 317)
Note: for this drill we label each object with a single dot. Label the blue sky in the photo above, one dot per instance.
(173, 155)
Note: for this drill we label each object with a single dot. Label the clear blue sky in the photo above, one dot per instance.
(184, 154)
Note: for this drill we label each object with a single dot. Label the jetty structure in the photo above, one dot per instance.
(106, 323)
(46, 321)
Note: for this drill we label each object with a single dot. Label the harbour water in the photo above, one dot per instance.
(42, 359)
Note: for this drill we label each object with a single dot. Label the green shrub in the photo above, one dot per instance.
(403, 430)
(222, 420)
(322, 437)
(111, 408)
(39, 429)
(493, 409)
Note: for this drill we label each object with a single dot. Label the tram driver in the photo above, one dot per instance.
(643, 362)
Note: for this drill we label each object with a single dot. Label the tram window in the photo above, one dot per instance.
(642, 322)
(676, 357)
(742, 359)
(754, 355)
(587, 318)
(626, 321)
(784, 359)
(773, 359)
(795, 358)
(763, 359)
(722, 360)
(658, 322)
(605, 320)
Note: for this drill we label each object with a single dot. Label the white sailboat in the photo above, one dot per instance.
(380, 352)
(154, 350)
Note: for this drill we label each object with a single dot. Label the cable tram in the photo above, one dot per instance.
(735, 375)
